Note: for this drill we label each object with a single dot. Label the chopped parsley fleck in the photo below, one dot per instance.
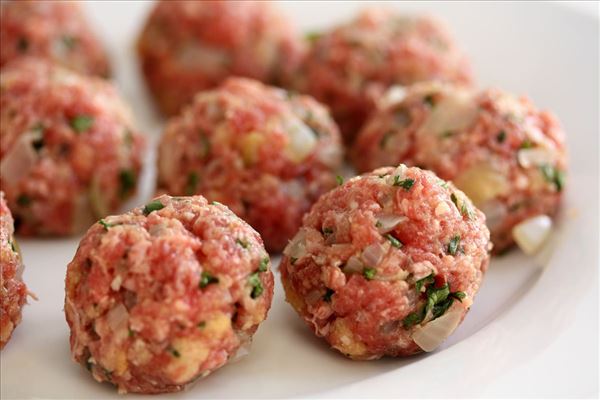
(216, 203)
(38, 142)
(201, 325)
(406, 184)
(131, 333)
(447, 134)
(174, 352)
(105, 224)
(12, 246)
(369, 273)
(264, 264)
(293, 260)
(395, 242)
(82, 123)
(192, 182)
(327, 231)
(69, 41)
(429, 100)
(554, 175)
(243, 243)
(328, 294)
(22, 44)
(339, 180)
(256, 284)
(23, 200)
(454, 245)
(312, 36)
(378, 224)
(459, 295)
(463, 208)
(501, 137)
(127, 179)
(153, 206)
(428, 280)
(207, 279)
(526, 144)
(205, 144)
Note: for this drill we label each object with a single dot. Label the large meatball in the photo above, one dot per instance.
(507, 156)
(13, 294)
(349, 67)
(57, 31)
(266, 153)
(387, 264)
(70, 153)
(188, 46)
(166, 294)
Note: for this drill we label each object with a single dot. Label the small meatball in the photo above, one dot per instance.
(265, 153)
(387, 264)
(188, 46)
(351, 66)
(56, 31)
(70, 153)
(14, 292)
(507, 156)
(166, 294)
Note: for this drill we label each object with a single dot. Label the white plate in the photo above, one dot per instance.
(529, 333)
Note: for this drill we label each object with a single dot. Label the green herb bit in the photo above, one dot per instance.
(413, 318)
(429, 100)
(131, 333)
(264, 264)
(207, 279)
(205, 144)
(327, 295)
(105, 224)
(201, 325)
(22, 44)
(429, 279)
(256, 284)
(459, 295)
(554, 175)
(128, 180)
(440, 309)
(243, 243)
(192, 182)
(174, 352)
(526, 144)
(378, 224)
(293, 260)
(23, 200)
(463, 208)
(153, 206)
(406, 184)
(69, 41)
(82, 123)
(447, 134)
(340, 180)
(128, 138)
(215, 203)
(395, 242)
(327, 231)
(501, 137)
(369, 273)
(312, 36)
(454, 244)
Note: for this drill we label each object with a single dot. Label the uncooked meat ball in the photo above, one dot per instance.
(166, 294)
(266, 153)
(387, 264)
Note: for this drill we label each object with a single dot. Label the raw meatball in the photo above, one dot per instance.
(387, 264)
(166, 294)
(188, 46)
(507, 156)
(57, 31)
(14, 292)
(70, 152)
(349, 67)
(266, 153)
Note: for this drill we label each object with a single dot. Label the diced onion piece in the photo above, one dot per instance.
(429, 336)
(19, 160)
(249, 146)
(301, 142)
(388, 222)
(532, 233)
(456, 111)
(117, 318)
(297, 246)
(394, 95)
(535, 157)
(373, 253)
(482, 183)
(353, 266)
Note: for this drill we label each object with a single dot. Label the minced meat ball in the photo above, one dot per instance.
(57, 31)
(387, 264)
(166, 294)
(188, 46)
(266, 153)
(506, 155)
(349, 67)
(13, 294)
(70, 153)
